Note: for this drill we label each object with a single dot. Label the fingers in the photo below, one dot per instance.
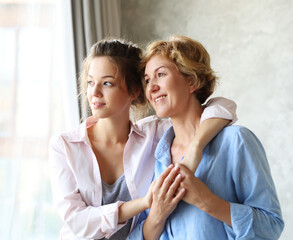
(169, 180)
(164, 192)
(184, 170)
(180, 194)
(174, 186)
(160, 180)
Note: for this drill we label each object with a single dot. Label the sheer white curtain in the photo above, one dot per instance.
(38, 98)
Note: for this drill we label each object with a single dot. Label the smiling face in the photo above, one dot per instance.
(166, 88)
(106, 92)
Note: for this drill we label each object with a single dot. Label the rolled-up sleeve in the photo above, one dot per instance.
(253, 223)
(220, 107)
(84, 221)
(257, 215)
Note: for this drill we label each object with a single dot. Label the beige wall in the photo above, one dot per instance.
(251, 47)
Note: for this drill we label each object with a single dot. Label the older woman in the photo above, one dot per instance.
(232, 194)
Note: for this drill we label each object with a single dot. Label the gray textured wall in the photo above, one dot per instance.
(251, 47)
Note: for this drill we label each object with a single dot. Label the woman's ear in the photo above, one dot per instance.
(134, 96)
(193, 84)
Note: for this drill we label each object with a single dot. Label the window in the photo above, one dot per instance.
(31, 111)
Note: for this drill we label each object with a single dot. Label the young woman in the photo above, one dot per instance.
(232, 194)
(102, 170)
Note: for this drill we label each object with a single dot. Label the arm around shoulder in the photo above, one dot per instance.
(218, 113)
(220, 107)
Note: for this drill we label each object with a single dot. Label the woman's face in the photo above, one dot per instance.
(106, 91)
(166, 88)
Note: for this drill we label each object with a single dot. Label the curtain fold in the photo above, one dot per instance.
(92, 20)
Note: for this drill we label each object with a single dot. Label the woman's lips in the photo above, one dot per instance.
(98, 104)
(159, 98)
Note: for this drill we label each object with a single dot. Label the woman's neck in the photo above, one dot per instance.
(110, 130)
(186, 124)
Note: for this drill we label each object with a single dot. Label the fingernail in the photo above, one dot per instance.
(170, 166)
(179, 175)
(176, 166)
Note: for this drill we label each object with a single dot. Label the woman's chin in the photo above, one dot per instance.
(162, 115)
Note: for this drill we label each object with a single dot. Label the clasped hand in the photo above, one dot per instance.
(176, 183)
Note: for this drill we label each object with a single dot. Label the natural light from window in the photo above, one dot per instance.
(30, 113)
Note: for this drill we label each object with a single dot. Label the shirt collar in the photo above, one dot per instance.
(80, 134)
(163, 153)
(138, 130)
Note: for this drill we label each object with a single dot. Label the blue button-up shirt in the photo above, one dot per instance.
(235, 168)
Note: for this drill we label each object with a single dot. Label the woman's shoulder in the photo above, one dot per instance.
(148, 120)
(237, 131)
(152, 121)
(71, 135)
(236, 136)
(153, 125)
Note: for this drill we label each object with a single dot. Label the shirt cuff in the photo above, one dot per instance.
(110, 219)
(242, 221)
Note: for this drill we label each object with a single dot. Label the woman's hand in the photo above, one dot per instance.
(199, 195)
(165, 196)
(165, 192)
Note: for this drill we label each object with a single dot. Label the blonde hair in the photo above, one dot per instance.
(192, 60)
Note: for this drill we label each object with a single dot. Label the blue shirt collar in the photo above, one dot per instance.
(163, 153)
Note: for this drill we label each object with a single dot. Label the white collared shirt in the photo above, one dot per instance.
(76, 179)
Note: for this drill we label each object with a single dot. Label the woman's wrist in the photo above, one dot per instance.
(192, 158)
(198, 145)
(217, 207)
(153, 226)
(157, 216)
(146, 203)
(156, 219)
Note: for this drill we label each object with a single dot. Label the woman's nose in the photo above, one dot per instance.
(97, 91)
(153, 86)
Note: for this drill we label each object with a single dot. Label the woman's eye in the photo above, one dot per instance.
(161, 74)
(91, 83)
(147, 81)
(108, 84)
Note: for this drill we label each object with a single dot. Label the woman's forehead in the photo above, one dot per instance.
(158, 62)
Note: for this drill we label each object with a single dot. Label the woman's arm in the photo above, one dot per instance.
(256, 214)
(132, 208)
(218, 113)
(208, 129)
